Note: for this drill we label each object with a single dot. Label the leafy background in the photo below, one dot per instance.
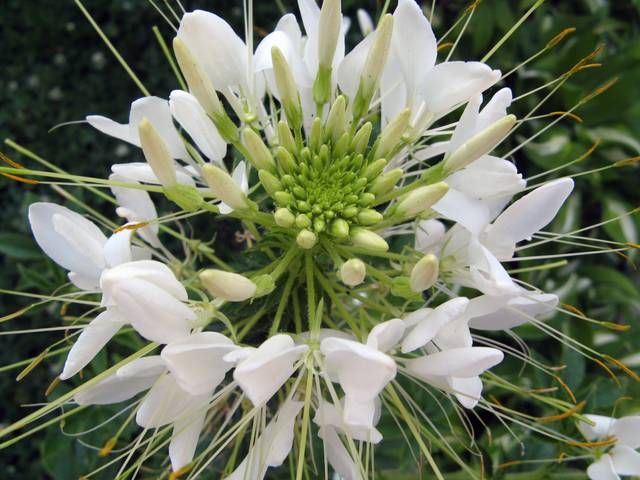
(55, 69)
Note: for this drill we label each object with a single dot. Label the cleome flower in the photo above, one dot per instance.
(324, 158)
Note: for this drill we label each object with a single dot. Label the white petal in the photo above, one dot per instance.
(457, 362)
(467, 390)
(386, 335)
(627, 431)
(602, 469)
(220, 52)
(154, 313)
(487, 273)
(117, 250)
(93, 337)
(351, 67)
(413, 44)
(114, 389)
(428, 328)
(327, 415)
(149, 366)
(184, 439)
(197, 361)
(69, 239)
(137, 207)
(338, 456)
(526, 216)
(166, 402)
(467, 125)
(599, 431)
(495, 109)
(451, 83)
(487, 177)
(117, 130)
(188, 112)
(365, 22)
(429, 235)
(267, 368)
(141, 172)
(468, 212)
(626, 461)
(515, 312)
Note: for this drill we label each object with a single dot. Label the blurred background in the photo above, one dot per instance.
(56, 69)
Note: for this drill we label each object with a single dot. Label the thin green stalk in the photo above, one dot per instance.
(311, 293)
(169, 57)
(305, 424)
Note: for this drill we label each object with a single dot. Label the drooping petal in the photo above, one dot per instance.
(386, 335)
(197, 361)
(486, 273)
(155, 314)
(601, 429)
(69, 239)
(431, 324)
(142, 172)
(429, 235)
(220, 52)
(514, 312)
(526, 216)
(626, 461)
(495, 109)
(451, 83)
(468, 391)
(459, 207)
(184, 439)
(456, 362)
(93, 337)
(117, 249)
(266, 368)
(627, 431)
(328, 415)
(602, 469)
(350, 69)
(137, 207)
(362, 372)
(338, 455)
(190, 114)
(487, 178)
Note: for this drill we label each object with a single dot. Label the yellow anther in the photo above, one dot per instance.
(563, 415)
(559, 37)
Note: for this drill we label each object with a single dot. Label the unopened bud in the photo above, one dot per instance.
(368, 216)
(285, 137)
(229, 286)
(303, 221)
(425, 273)
(306, 239)
(224, 188)
(361, 138)
(270, 182)
(385, 182)
(374, 168)
(316, 136)
(329, 27)
(287, 88)
(392, 134)
(186, 197)
(284, 218)
(259, 154)
(336, 120)
(157, 153)
(265, 284)
(339, 228)
(352, 272)
(421, 199)
(373, 66)
(199, 83)
(480, 144)
(361, 237)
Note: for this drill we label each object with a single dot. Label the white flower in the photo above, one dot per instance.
(622, 459)
(262, 371)
(503, 313)
(272, 446)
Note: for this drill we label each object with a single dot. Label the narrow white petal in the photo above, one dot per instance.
(350, 69)
(117, 249)
(184, 439)
(602, 469)
(514, 312)
(459, 207)
(467, 390)
(601, 428)
(338, 455)
(431, 324)
(113, 390)
(117, 130)
(429, 235)
(386, 335)
(141, 172)
(457, 362)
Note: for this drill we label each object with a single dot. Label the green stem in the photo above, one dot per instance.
(305, 424)
(311, 293)
(284, 263)
(169, 57)
(283, 302)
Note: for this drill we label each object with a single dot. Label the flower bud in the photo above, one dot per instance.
(157, 153)
(364, 22)
(352, 272)
(287, 88)
(392, 134)
(316, 136)
(361, 237)
(259, 154)
(329, 27)
(480, 144)
(306, 239)
(303, 221)
(285, 137)
(425, 273)
(285, 160)
(361, 138)
(373, 66)
(421, 199)
(199, 83)
(186, 197)
(224, 188)
(229, 286)
(385, 182)
(336, 120)
(265, 284)
(270, 182)
(374, 168)
(284, 218)
(339, 228)
(368, 216)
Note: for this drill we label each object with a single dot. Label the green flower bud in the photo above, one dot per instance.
(224, 188)
(353, 272)
(282, 198)
(316, 137)
(365, 199)
(306, 239)
(386, 181)
(374, 169)
(425, 273)
(350, 211)
(265, 284)
(339, 228)
(421, 199)
(270, 182)
(329, 27)
(157, 153)
(287, 88)
(259, 154)
(284, 218)
(480, 144)
(361, 237)
(361, 138)
(322, 85)
(392, 134)
(368, 216)
(285, 137)
(186, 197)
(229, 286)
(342, 145)
(285, 160)
(303, 221)
(336, 120)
